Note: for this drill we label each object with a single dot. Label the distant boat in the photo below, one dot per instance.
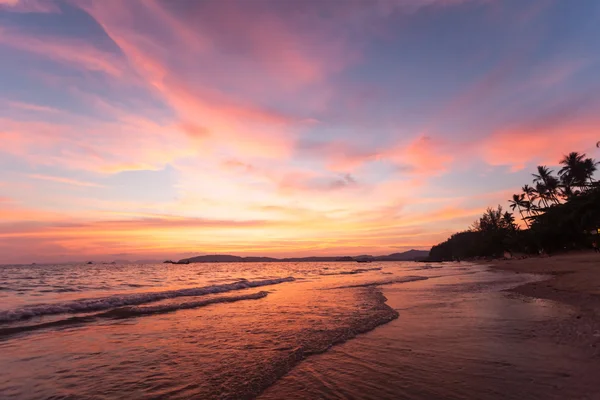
(89, 263)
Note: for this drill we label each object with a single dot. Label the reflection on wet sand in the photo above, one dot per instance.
(452, 343)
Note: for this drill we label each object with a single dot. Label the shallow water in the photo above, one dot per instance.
(234, 330)
(454, 339)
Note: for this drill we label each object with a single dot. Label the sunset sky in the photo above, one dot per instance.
(163, 129)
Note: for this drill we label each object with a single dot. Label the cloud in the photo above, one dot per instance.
(31, 107)
(29, 6)
(425, 155)
(94, 145)
(338, 155)
(568, 125)
(67, 181)
(73, 53)
(308, 182)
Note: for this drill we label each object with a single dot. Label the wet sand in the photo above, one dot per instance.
(574, 279)
(480, 336)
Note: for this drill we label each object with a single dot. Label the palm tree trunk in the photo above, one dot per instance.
(531, 210)
(522, 217)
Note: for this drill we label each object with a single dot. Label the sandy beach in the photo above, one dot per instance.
(574, 279)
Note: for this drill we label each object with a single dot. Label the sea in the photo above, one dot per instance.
(323, 330)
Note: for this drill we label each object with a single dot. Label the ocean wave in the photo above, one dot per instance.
(130, 312)
(352, 272)
(134, 299)
(60, 290)
(127, 312)
(403, 279)
(427, 266)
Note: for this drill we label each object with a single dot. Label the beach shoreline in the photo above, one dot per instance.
(574, 280)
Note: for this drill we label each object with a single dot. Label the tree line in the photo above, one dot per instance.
(560, 212)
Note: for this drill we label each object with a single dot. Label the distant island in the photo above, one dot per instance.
(410, 255)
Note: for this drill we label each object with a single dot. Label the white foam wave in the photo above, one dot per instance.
(130, 312)
(351, 272)
(126, 312)
(403, 279)
(134, 299)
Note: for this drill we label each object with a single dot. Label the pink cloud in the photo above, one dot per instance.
(421, 155)
(425, 155)
(91, 145)
(519, 147)
(567, 125)
(30, 107)
(67, 181)
(29, 6)
(338, 155)
(69, 52)
(257, 49)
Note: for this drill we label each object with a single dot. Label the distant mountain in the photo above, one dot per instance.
(411, 255)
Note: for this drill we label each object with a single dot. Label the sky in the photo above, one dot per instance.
(149, 129)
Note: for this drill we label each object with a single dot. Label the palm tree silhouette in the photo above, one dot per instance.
(541, 193)
(590, 167)
(518, 201)
(566, 187)
(574, 169)
(542, 174)
(546, 183)
(531, 197)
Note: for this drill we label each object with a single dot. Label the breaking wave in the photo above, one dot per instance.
(427, 266)
(130, 312)
(403, 279)
(352, 272)
(134, 299)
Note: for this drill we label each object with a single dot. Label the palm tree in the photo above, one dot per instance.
(530, 208)
(566, 187)
(508, 221)
(518, 201)
(573, 169)
(589, 167)
(544, 176)
(541, 193)
(531, 197)
(552, 186)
